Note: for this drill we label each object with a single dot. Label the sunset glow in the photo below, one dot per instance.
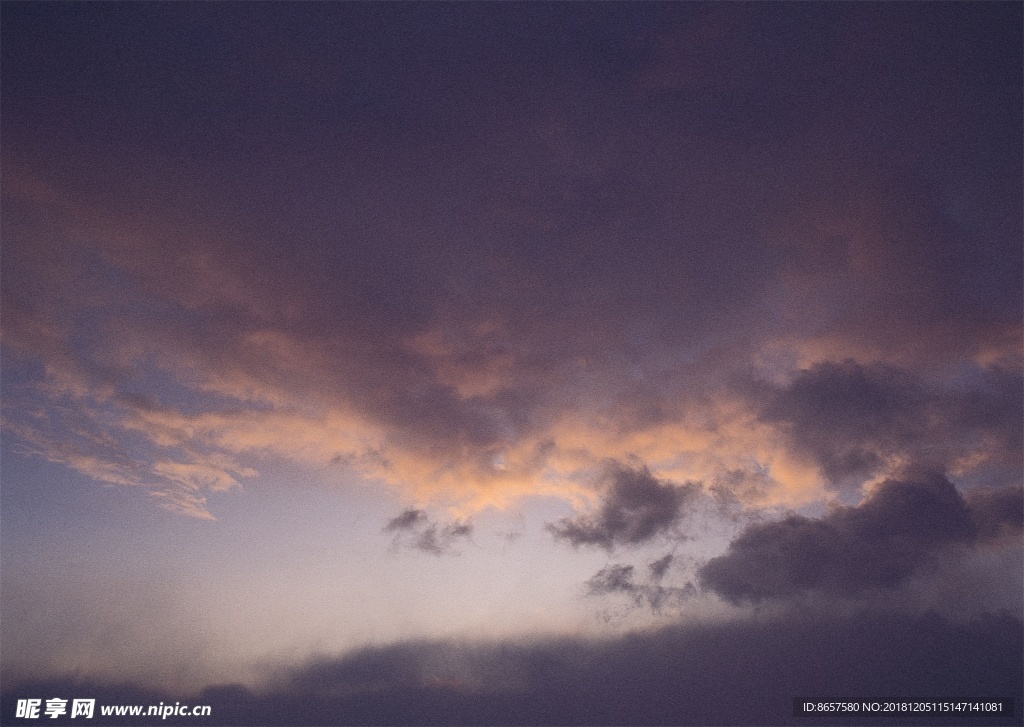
(511, 363)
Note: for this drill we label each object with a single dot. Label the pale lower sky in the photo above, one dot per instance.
(97, 578)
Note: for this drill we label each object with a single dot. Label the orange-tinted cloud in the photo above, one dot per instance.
(628, 265)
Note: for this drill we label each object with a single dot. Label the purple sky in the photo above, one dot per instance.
(512, 363)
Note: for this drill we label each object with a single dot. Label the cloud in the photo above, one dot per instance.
(83, 452)
(408, 519)
(896, 531)
(414, 529)
(583, 249)
(488, 315)
(89, 437)
(744, 672)
(661, 566)
(636, 508)
(996, 513)
(617, 578)
(856, 420)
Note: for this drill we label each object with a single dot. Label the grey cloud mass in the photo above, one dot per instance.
(878, 544)
(406, 520)
(659, 567)
(636, 507)
(459, 245)
(996, 512)
(738, 673)
(660, 258)
(854, 418)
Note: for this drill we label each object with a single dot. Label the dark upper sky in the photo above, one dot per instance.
(757, 261)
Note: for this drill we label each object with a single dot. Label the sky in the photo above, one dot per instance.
(512, 363)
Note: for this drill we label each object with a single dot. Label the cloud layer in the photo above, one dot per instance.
(742, 673)
(589, 251)
(730, 293)
(856, 420)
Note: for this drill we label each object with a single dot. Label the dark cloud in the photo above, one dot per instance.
(414, 528)
(900, 528)
(853, 418)
(466, 249)
(997, 513)
(612, 578)
(636, 507)
(408, 519)
(618, 578)
(736, 673)
(615, 224)
(661, 566)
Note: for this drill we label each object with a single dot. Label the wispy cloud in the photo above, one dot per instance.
(649, 592)
(414, 529)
